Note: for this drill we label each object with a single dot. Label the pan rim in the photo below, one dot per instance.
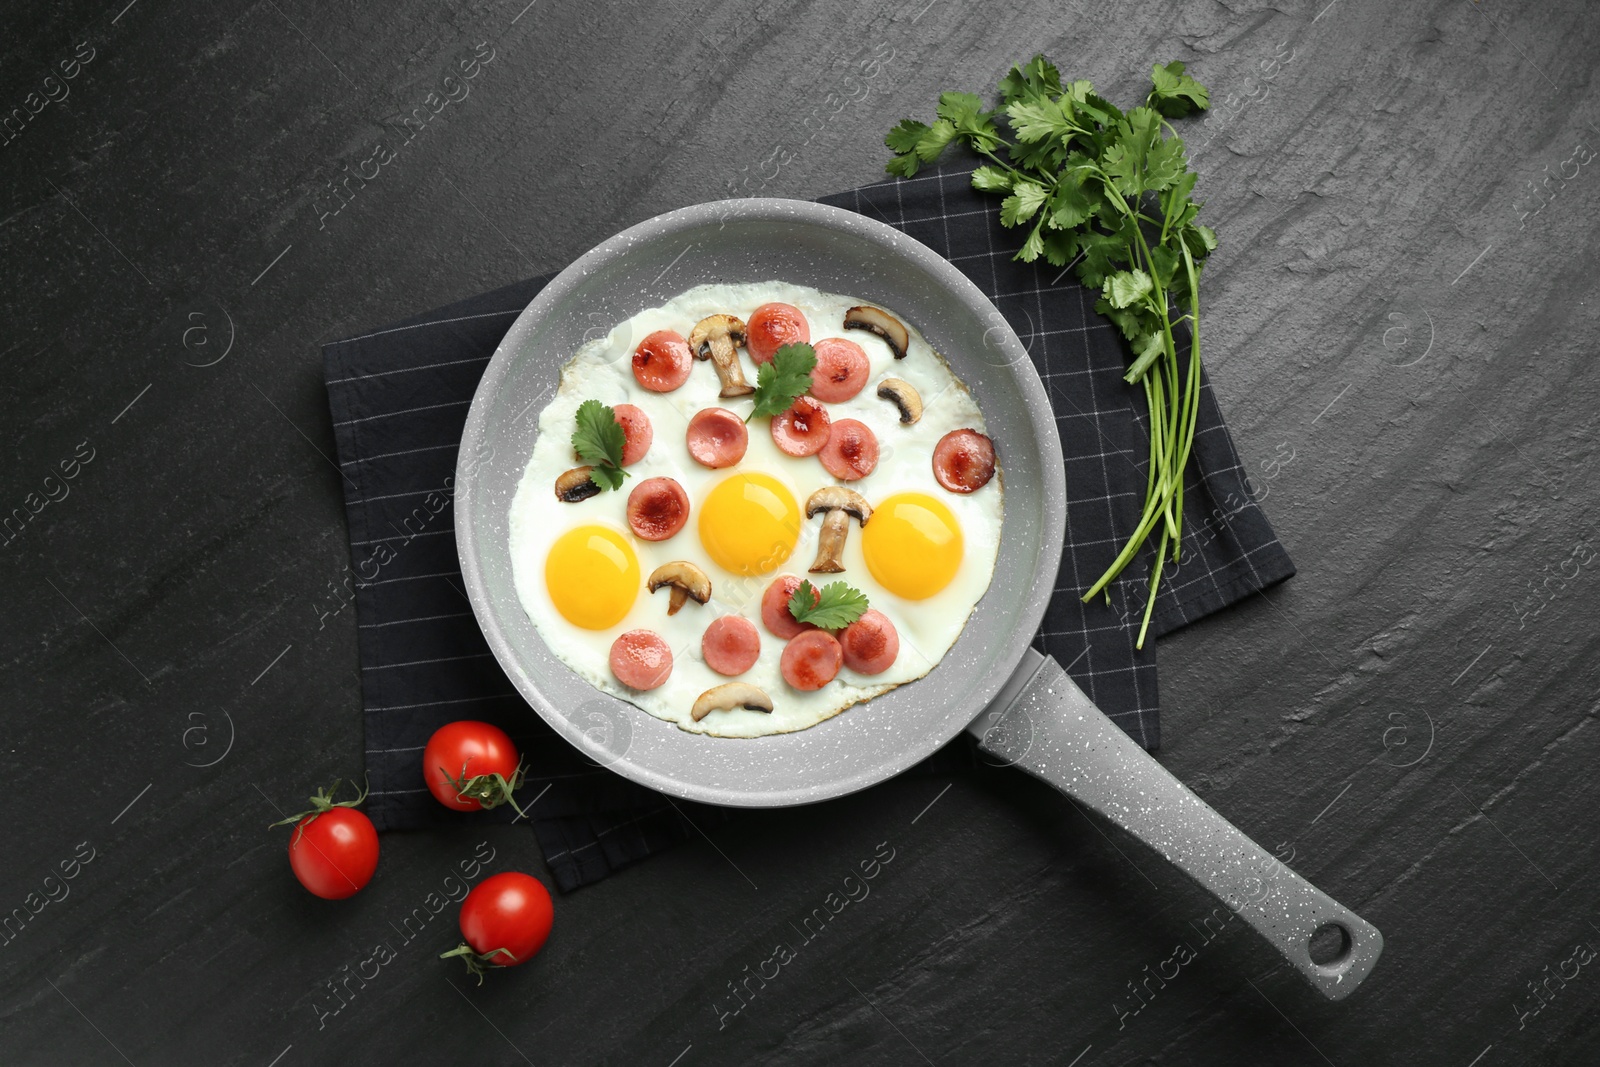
(898, 756)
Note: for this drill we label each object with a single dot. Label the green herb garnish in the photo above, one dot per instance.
(598, 440)
(837, 606)
(783, 379)
(1108, 191)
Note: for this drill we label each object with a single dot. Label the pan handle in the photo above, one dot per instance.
(1044, 724)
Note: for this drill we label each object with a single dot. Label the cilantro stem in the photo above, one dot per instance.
(1155, 439)
(1000, 162)
(1155, 580)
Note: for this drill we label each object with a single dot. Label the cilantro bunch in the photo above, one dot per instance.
(1108, 191)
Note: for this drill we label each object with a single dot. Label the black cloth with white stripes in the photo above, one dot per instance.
(399, 399)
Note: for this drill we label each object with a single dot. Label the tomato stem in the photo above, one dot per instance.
(322, 802)
(478, 963)
(489, 790)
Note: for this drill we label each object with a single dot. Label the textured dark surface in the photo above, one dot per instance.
(1397, 324)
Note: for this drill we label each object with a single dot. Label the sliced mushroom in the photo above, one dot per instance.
(730, 695)
(717, 338)
(903, 396)
(880, 322)
(686, 581)
(575, 485)
(838, 505)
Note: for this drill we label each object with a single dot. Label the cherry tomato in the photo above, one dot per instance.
(463, 759)
(505, 920)
(334, 852)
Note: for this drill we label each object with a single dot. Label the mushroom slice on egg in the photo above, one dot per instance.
(878, 321)
(838, 505)
(903, 396)
(575, 485)
(730, 695)
(717, 338)
(687, 581)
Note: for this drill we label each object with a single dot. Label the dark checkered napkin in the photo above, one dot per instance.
(399, 398)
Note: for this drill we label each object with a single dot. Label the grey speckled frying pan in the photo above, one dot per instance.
(1023, 707)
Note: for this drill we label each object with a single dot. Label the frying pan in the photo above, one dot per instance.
(1023, 706)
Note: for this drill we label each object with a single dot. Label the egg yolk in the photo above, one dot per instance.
(912, 545)
(749, 523)
(593, 576)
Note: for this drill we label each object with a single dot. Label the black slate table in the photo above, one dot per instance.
(1399, 327)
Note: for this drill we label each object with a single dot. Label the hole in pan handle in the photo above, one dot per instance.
(1042, 723)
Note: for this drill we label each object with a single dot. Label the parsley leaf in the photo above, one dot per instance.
(598, 440)
(903, 139)
(965, 113)
(1060, 249)
(1037, 78)
(1128, 287)
(839, 605)
(781, 380)
(991, 180)
(1070, 205)
(1174, 93)
(1025, 199)
(959, 107)
(607, 477)
(1142, 160)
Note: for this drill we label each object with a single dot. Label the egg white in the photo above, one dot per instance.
(602, 370)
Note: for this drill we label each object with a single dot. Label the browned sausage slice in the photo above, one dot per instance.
(770, 327)
(811, 660)
(803, 429)
(641, 659)
(775, 607)
(963, 461)
(716, 438)
(662, 361)
(731, 645)
(636, 432)
(841, 370)
(851, 452)
(871, 643)
(657, 508)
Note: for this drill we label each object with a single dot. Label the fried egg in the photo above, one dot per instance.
(924, 558)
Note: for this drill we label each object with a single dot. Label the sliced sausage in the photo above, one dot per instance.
(963, 461)
(811, 660)
(770, 327)
(716, 438)
(841, 370)
(802, 430)
(851, 451)
(731, 645)
(662, 361)
(641, 659)
(636, 432)
(657, 508)
(870, 643)
(775, 607)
